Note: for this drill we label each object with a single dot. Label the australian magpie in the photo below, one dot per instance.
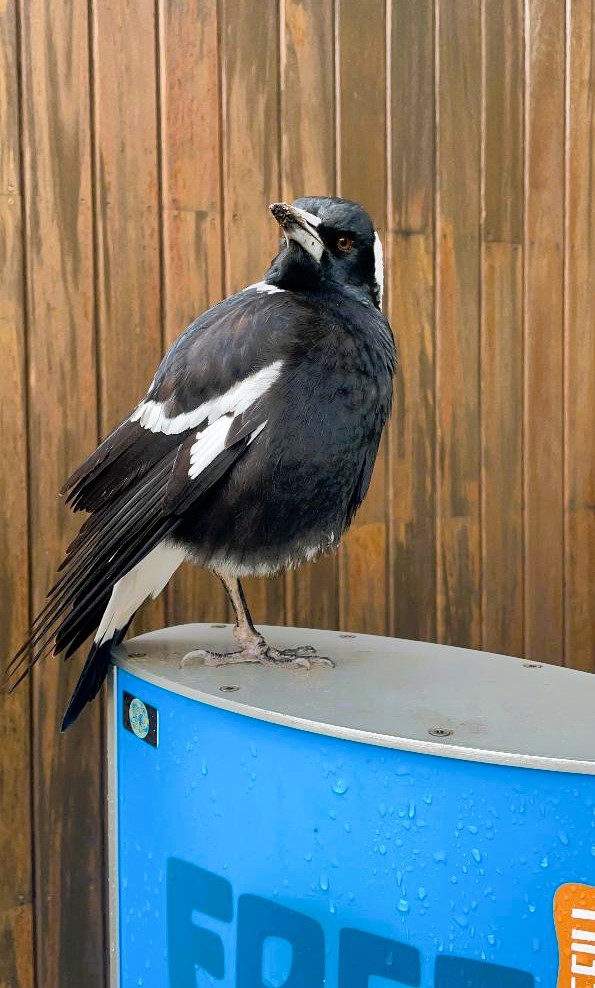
(250, 452)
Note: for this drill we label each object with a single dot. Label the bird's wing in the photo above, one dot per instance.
(220, 363)
(207, 403)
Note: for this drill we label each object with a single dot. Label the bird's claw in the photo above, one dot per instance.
(303, 656)
(307, 654)
(204, 657)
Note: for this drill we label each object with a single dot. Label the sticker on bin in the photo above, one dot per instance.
(574, 916)
(141, 719)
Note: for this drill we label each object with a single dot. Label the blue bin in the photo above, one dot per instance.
(406, 818)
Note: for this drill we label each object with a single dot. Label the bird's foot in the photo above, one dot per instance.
(304, 656)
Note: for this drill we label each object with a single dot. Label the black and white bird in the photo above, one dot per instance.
(250, 452)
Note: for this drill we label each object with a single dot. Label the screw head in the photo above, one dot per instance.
(531, 665)
(228, 689)
(440, 732)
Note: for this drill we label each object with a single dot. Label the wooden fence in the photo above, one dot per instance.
(141, 143)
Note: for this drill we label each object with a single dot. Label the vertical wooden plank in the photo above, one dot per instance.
(411, 306)
(68, 808)
(308, 168)
(192, 207)
(250, 56)
(502, 448)
(16, 911)
(308, 140)
(580, 342)
(16, 958)
(127, 198)
(361, 56)
(250, 53)
(502, 330)
(457, 300)
(503, 121)
(544, 225)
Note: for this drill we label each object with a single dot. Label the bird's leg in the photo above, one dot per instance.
(253, 647)
(244, 631)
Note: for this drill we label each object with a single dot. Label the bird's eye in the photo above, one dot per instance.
(344, 243)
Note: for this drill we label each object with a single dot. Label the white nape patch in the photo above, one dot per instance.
(208, 445)
(378, 268)
(151, 414)
(146, 579)
(263, 288)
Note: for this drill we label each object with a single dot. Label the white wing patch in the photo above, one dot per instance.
(149, 577)
(151, 415)
(146, 579)
(257, 431)
(208, 445)
(379, 268)
(211, 442)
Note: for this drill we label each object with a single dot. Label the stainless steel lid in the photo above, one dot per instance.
(391, 692)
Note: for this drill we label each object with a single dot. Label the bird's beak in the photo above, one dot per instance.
(300, 226)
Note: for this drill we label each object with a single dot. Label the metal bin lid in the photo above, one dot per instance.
(390, 692)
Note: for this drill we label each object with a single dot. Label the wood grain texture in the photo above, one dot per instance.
(16, 953)
(16, 910)
(580, 343)
(128, 215)
(502, 448)
(544, 266)
(191, 213)
(360, 27)
(411, 307)
(308, 168)
(141, 149)
(251, 180)
(501, 357)
(66, 791)
(503, 120)
(457, 299)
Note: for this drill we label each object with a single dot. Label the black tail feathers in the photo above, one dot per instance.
(91, 678)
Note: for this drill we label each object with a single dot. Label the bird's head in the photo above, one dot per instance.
(327, 240)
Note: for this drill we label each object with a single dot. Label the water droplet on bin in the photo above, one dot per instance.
(339, 787)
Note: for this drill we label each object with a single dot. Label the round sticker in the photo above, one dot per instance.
(139, 718)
